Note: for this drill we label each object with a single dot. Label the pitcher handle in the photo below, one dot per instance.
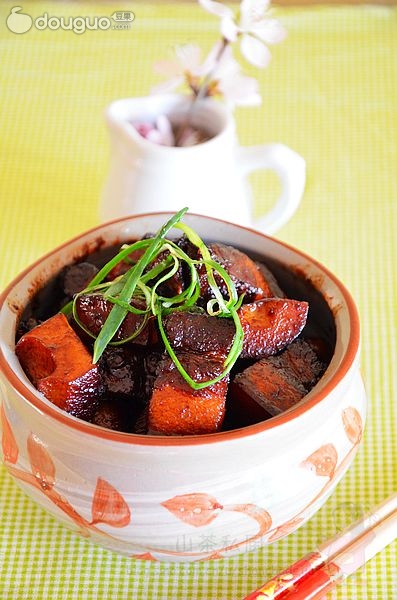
(291, 170)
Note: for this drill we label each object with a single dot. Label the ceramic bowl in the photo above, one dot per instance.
(183, 498)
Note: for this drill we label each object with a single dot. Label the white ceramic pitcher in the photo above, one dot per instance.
(210, 177)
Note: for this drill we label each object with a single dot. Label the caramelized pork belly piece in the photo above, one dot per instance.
(201, 343)
(275, 289)
(271, 324)
(112, 415)
(119, 415)
(243, 271)
(59, 366)
(304, 361)
(198, 332)
(263, 390)
(122, 372)
(93, 309)
(176, 409)
(275, 384)
(124, 396)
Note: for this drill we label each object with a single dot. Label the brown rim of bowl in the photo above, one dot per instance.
(189, 440)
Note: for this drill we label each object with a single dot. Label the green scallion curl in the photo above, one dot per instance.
(142, 282)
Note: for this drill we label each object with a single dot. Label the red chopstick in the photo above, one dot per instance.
(318, 572)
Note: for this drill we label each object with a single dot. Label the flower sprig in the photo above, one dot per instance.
(218, 74)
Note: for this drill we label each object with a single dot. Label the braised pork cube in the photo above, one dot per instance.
(59, 366)
(243, 271)
(112, 415)
(263, 390)
(271, 281)
(270, 324)
(75, 278)
(304, 361)
(93, 309)
(176, 409)
(122, 371)
(117, 415)
(203, 342)
(275, 384)
(200, 333)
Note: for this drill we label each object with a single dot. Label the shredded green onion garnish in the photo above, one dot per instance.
(137, 291)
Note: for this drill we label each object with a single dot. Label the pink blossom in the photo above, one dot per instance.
(251, 24)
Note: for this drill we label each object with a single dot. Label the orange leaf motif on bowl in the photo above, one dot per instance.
(109, 506)
(41, 462)
(323, 461)
(195, 509)
(8, 443)
(353, 424)
(144, 556)
(286, 528)
(259, 514)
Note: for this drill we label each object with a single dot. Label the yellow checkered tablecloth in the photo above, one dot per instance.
(331, 94)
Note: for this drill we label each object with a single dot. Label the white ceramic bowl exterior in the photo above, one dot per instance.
(177, 498)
